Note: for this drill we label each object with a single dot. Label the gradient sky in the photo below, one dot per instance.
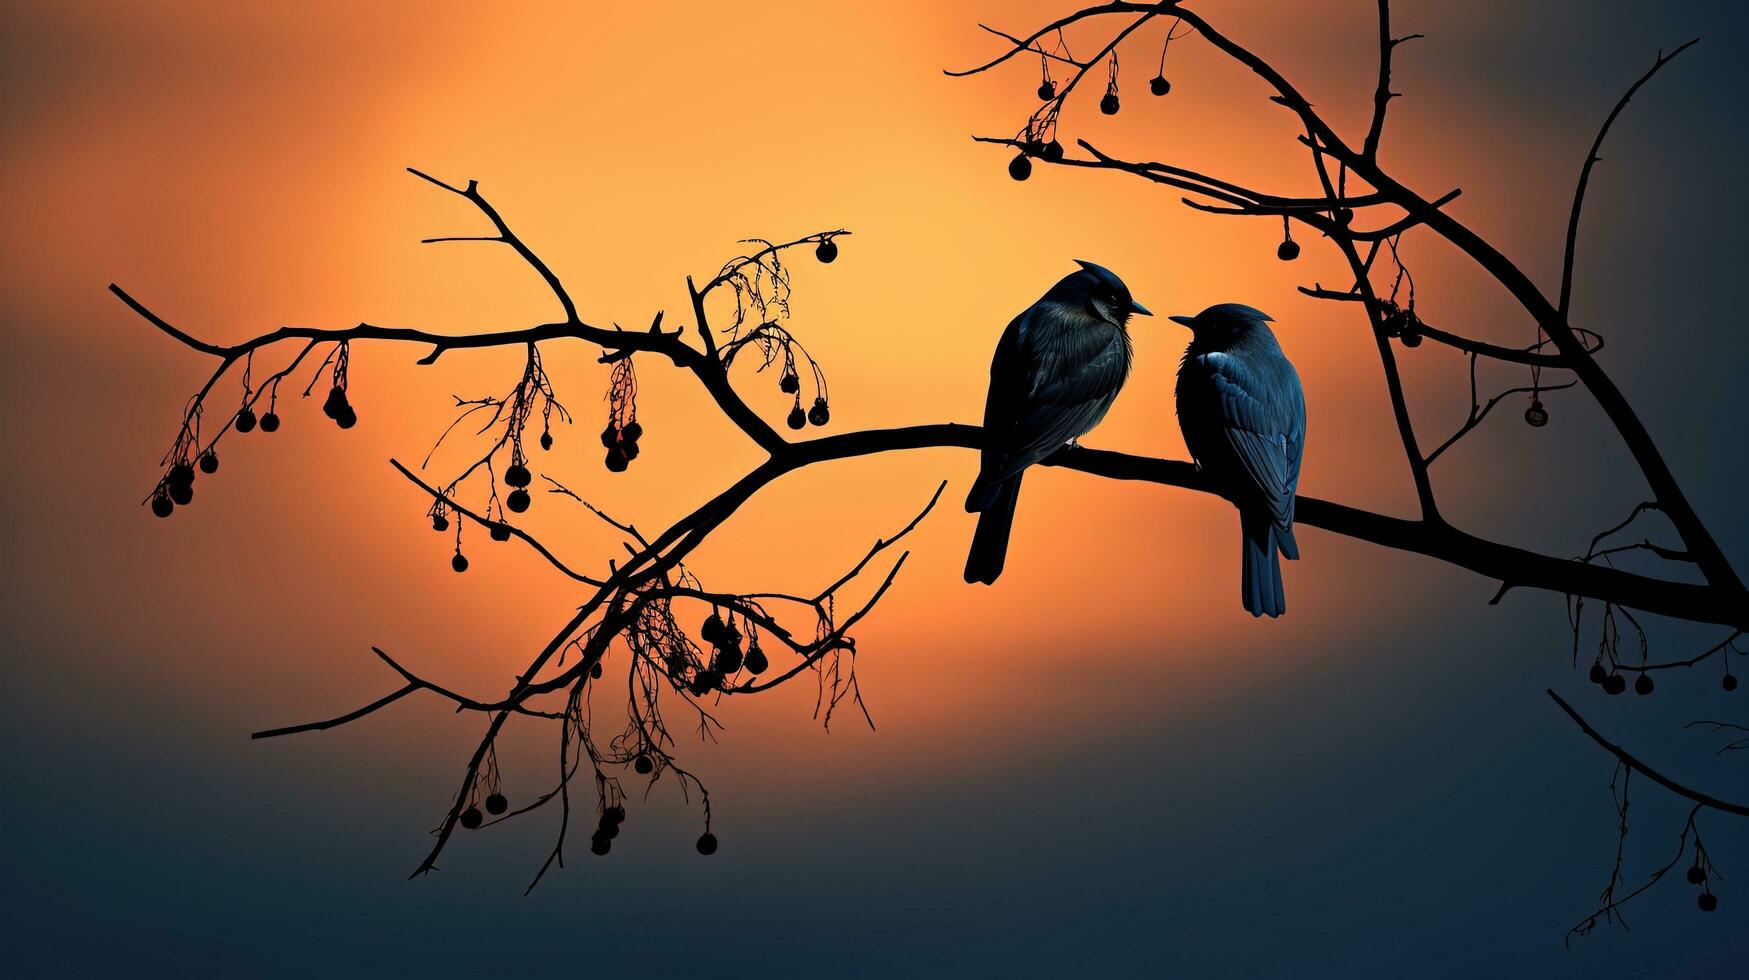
(1101, 764)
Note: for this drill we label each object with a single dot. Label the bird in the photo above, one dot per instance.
(1056, 371)
(1243, 415)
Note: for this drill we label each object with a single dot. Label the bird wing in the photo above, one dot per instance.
(1052, 379)
(1263, 421)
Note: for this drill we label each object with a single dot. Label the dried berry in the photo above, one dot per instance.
(1344, 215)
(517, 475)
(1614, 684)
(1108, 104)
(1643, 684)
(517, 501)
(599, 845)
(181, 475)
(707, 845)
(162, 506)
(181, 493)
(1159, 85)
(616, 460)
(209, 462)
(245, 421)
(1020, 167)
(595, 670)
(643, 765)
(729, 660)
(346, 418)
(757, 661)
(713, 629)
(546, 440)
(459, 562)
(1729, 683)
(1047, 90)
(789, 384)
(1536, 414)
(1597, 674)
(1411, 335)
(609, 437)
(270, 422)
(500, 531)
(439, 523)
(632, 432)
(1696, 874)
(1053, 151)
(819, 414)
(1288, 251)
(496, 804)
(1708, 902)
(826, 251)
(472, 818)
(796, 418)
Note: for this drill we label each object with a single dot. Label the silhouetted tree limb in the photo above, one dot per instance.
(1396, 321)
(633, 603)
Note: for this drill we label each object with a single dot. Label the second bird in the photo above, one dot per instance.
(1056, 371)
(1244, 421)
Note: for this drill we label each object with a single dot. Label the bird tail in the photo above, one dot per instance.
(990, 541)
(1260, 574)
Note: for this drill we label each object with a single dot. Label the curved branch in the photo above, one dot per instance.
(1672, 785)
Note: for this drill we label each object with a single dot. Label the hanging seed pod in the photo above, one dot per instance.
(595, 670)
(643, 765)
(728, 660)
(826, 251)
(616, 460)
(757, 661)
(1708, 902)
(1729, 683)
(459, 562)
(1536, 415)
(1344, 215)
(518, 501)
(163, 506)
(471, 818)
(496, 804)
(1411, 335)
(439, 522)
(599, 845)
(332, 404)
(546, 440)
(181, 475)
(181, 493)
(346, 418)
(713, 630)
(209, 462)
(1108, 104)
(1643, 684)
(797, 419)
(707, 843)
(632, 432)
(1047, 90)
(819, 414)
(789, 384)
(500, 531)
(1696, 874)
(270, 422)
(1159, 85)
(1597, 674)
(1053, 151)
(517, 475)
(609, 437)
(1288, 250)
(245, 421)
(1614, 684)
(1020, 167)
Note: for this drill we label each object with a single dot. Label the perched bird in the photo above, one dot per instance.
(1057, 369)
(1244, 421)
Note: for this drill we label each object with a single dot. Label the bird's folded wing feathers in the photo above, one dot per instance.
(1263, 438)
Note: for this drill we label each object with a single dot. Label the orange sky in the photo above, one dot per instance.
(240, 166)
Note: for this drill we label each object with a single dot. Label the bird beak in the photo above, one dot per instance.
(1136, 307)
(1185, 321)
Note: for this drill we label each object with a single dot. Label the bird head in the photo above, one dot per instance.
(1223, 325)
(1100, 292)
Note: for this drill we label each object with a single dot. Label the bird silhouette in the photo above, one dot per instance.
(1056, 371)
(1244, 420)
